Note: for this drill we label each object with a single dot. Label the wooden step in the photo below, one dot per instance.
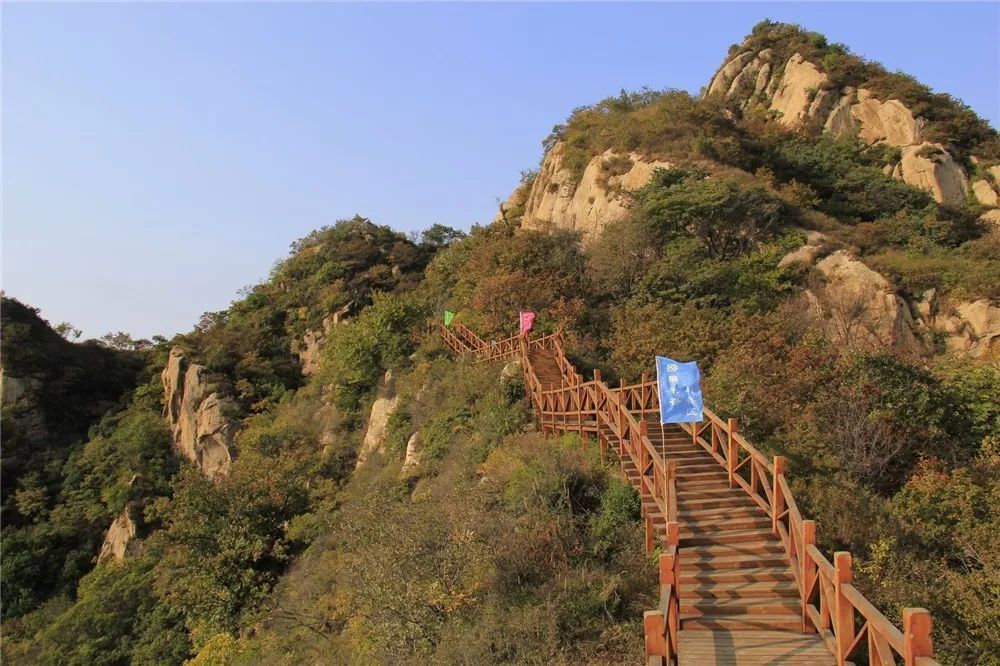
(748, 536)
(727, 502)
(700, 467)
(691, 528)
(718, 474)
(727, 550)
(751, 575)
(695, 515)
(716, 607)
(713, 490)
(756, 622)
(694, 564)
(736, 590)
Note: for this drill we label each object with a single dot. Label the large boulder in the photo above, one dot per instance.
(857, 307)
(931, 167)
(888, 122)
(198, 416)
(557, 201)
(984, 192)
(979, 332)
(991, 217)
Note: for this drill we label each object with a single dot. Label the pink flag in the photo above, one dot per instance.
(527, 321)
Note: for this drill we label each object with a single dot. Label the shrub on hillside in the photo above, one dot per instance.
(727, 216)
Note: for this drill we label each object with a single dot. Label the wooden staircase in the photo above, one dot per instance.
(741, 581)
(735, 580)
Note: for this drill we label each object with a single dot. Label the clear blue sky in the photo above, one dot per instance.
(158, 157)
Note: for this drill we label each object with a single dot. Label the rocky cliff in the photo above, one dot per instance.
(198, 415)
(557, 200)
(799, 92)
(308, 349)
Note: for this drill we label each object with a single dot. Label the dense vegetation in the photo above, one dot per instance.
(497, 546)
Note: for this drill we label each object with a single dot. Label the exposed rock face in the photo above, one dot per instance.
(197, 415)
(556, 201)
(414, 447)
(803, 94)
(383, 408)
(514, 205)
(991, 217)
(19, 395)
(729, 71)
(930, 167)
(974, 328)
(984, 192)
(510, 372)
(807, 254)
(799, 86)
(308, 349)
(120, 539)
(888, 122)
(857, 307)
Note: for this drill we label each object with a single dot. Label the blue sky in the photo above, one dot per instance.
(158, 157)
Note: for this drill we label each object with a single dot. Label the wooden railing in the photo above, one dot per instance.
(850, 625)
(593, 408)
(456, 344)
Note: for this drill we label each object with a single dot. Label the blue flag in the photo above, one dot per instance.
(679, 386)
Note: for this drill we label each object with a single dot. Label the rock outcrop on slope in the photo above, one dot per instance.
(798, 92)
(378, 421)
(120, 539)
(857, 307)
(19, 398)
(556, 200)
(308, 349)
(198, 416)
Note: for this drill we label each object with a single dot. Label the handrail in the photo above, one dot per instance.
(830, 604)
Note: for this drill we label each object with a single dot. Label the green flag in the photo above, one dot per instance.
(448, 316)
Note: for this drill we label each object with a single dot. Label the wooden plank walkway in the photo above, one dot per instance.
(740, 603)
(741, 580)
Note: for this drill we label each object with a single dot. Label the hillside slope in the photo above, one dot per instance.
(306, 476)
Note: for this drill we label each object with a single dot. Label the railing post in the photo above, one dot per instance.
(731, 461)
(842, 608)
(808, 570)
(673, 537)
(650, 532)
(916, 635)
(642, 395)
(777, 499)
(667, 577)
(654, 628)
(670, 499)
